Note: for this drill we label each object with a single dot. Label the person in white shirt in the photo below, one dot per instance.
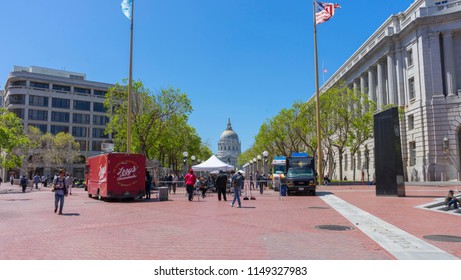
(69, 183)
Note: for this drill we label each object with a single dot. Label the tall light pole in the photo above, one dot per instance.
(259, 163)
(184, 160)
(265, 154)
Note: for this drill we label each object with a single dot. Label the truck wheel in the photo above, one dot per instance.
(90, 195)
(99, 195)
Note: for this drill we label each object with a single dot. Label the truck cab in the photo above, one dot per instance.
(301, 176)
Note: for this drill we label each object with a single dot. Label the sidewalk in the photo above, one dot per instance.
(268, 228)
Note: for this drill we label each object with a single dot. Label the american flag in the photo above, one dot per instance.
(324, 11)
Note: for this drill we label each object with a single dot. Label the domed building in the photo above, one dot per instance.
(229, 147)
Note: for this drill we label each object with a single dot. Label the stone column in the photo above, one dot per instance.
(399, 66)
(363, 87)
(391, 78)
(372, 84)
(381, 86)
(449, 62)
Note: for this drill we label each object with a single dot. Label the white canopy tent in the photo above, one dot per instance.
(212, 164)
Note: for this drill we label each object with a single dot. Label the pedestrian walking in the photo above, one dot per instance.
(45, 180)
(169, 182)
(221, 185)
(190, 183)
(11, 179)
(237, 184)
(1, 181)
(148, 184)
(36, 180)
(60, 191)
(69, 183)
(175, 182)
(23, 181)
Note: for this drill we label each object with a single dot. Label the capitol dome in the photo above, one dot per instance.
(229, 147)
(229, 133)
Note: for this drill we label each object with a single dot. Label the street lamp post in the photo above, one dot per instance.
(265, 154)
(193, 160)
(184, 160)
(259, 163)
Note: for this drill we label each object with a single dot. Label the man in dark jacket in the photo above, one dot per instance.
(221, 185)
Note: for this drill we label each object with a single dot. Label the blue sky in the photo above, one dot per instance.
(239, 59)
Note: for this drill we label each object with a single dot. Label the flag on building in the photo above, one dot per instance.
(325, 70)
(126, 8)
(324, 11)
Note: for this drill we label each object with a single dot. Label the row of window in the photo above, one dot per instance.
(228, 148)
(411, 158)
(57, 87)
(42, 101)
(76, 130)
(41, 115)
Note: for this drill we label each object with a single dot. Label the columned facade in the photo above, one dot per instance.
(229, 146)
(412, 61)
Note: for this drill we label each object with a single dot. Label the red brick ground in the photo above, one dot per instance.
(264, 229)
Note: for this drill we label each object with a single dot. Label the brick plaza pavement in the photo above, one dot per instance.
(268, 228)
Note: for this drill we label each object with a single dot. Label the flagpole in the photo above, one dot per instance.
(130, 80)
(317, 102)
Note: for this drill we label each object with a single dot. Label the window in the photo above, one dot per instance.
(410, 57)
(411, 122)
(82, 144)
(412, 147)
(411, 88)
(61, 88)
(99, 107)
(79, 131)
(60, 103)
(35, 100)
(99, 133)
(82, 90)
(19, 84)
(19, 112)
(100, 120)
(96, 146)
(38, 115)
(60, 117)
(100, 92)
(43, 127)
(82, 105)
(38, 85)
(55, 129)
(81, 118)
(17, 99)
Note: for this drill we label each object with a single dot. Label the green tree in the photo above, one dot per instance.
(65, 151)
(151, 115)
(12, 140)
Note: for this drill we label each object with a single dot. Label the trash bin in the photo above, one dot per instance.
(283, 190)
(163, 193)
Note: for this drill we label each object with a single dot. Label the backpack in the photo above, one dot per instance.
(23, 181)
(235, 182)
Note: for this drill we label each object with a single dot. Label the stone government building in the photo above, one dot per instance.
(229, 146)
(414, 61)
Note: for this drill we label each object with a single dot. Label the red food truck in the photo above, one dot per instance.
(116, 176)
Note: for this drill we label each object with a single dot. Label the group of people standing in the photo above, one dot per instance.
(237, 180)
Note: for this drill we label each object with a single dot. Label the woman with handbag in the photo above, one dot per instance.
(60, 190)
